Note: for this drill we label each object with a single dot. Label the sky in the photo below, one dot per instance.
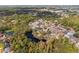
(38, 2)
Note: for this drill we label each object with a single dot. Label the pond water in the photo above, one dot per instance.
(30, 36)
(9, 33)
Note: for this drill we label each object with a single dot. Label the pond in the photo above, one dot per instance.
(9, 33)
(30, 36)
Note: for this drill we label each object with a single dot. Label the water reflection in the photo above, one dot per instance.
(30, 36)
